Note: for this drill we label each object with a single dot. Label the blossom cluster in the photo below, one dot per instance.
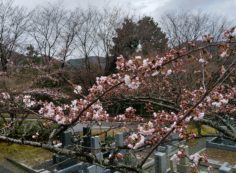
(5, 96)
(217, 101)
(28, 101)
(148, 66)
(135, 141)
(163, 122)
(229, 33)
(129, 115)
(196, 158)
(132, 76)
(66, 114)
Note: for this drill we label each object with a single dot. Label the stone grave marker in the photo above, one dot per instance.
(66, 138)
(119, 139)
(92, 169)
(184, 165)
(63, 161)
(87, 138)
(173, 164)
(225, 168)
(107, 171)
(234, 169)
(160, 162)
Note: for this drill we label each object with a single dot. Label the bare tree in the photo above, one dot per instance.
(110, 19)
(73, 23)
(47, 25)
(186, 26)
(86, 38)
(13, 24)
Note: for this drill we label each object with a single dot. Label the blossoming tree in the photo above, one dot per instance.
(206, 98)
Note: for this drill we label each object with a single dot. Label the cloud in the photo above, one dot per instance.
(216, 7)
(154, 8)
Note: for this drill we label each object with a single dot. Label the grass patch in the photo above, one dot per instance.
(221, 155)
(205, 130)
(26, 154)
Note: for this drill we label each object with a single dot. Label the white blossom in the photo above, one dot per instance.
(216, 104)
(224, 54)
(78, 89)
(169, 72)
(155, 73)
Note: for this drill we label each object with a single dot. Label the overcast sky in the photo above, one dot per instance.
(154, 8)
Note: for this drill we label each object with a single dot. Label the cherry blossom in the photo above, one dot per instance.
(224, 54)
(27, 100)
(78, 89)
(5, 95)
(136, 141)
(196, 158)
(146, 129)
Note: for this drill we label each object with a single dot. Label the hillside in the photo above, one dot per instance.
(92, 60)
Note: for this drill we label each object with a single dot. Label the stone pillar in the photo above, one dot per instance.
(160, 162)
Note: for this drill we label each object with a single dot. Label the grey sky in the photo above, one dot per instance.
(154, 8)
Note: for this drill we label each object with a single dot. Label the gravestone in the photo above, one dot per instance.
(221, 143)
(100, 169)
(86, 131)
(185, 160)
(95, 143)
(225, 168)
(63, 161)
(234, 169)
(106, 154)
(86, 138)
(160, 162)
(66, 139)
(95, 169)
(162, 149)
(174, 138)
(99, 156)
(87, 143)
(96, 147)
(119, 139)
(169, 150)
(173, 164)
(92, 169)
(107, 171)
(184, 165)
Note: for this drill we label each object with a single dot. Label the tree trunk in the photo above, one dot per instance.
(4, 64)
